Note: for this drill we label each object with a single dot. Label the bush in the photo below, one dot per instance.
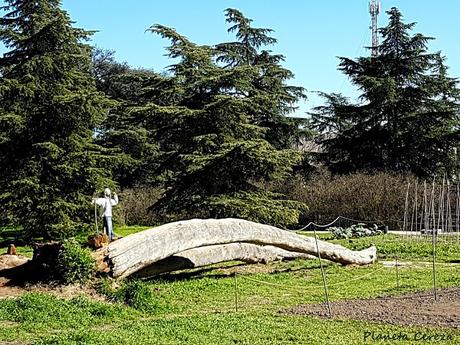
(356, 230)
(134, 293)
(74, 264)
(376, 198)
(134, 207)
(137, 294)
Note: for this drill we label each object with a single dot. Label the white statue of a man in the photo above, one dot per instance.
(106, 203)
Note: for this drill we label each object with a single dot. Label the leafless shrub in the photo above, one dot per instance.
(134, 206)
(378, 198)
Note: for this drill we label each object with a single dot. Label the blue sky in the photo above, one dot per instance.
(311, 33)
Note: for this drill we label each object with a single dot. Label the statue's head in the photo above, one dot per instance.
(107, 192)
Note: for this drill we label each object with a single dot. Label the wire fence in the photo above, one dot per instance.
(403, 278)
(446, 233)
(401, 271)
(432, 209)
(310, 287)
(339, 221)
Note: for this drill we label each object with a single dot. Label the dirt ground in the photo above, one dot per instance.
(11, 287)
(415, 309)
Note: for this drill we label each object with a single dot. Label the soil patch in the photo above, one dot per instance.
(14, 272)
(415, 309)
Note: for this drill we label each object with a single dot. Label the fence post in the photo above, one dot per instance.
(323, 275)
(433, 245)
(236, 292)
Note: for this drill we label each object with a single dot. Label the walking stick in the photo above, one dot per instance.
(95, 216)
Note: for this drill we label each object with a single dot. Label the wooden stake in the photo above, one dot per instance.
(424, 210)
(326, 293)
(433, 214)
(406, 205)
(236, 293)
(433, 244)
(440, 207)
(416, 204)
(443, 204)
(449, 224)
(425, 207)
(458, 212)
(95, 217)
(414, 212)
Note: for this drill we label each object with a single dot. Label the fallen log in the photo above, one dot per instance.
(210, 255)
(135, 252)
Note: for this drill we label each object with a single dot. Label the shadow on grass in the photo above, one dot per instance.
(196, 274)
(214, 272)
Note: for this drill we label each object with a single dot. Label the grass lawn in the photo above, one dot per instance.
(128, 230)
(20, 250)
(198, 306)
(390, 246)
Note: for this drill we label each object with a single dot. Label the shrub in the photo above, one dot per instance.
(134, 293)
(74, 263)
(137, 294)
(356, 230)
(377, 198)
(134, 207)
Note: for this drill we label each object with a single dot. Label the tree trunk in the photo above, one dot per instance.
(209, 255)
(132, 253)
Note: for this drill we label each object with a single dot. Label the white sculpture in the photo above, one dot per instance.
(213, 237)
(106, 203)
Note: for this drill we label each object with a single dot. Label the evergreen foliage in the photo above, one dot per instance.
(272, 98)
(74, 264)
(211, 131)
(220, 127)
(49, 107)
(407, 120)
(126, 132)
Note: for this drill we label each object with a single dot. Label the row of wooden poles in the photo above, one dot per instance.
(432, 208)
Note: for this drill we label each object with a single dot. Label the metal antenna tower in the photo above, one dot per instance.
(374, 10)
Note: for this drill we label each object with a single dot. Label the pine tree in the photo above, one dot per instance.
(126, 135)
(49, 108)
(213, 154)
(271, 98)
(408, 117)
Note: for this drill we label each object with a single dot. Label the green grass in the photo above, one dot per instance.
(390, 246)
(128, 230)
(228, 328)
(21, 250)
(198, 306)
(293, 283)
(201, 309)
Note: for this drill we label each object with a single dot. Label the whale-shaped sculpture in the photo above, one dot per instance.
(137, 252)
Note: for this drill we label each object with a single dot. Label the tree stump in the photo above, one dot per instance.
(98, 241)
